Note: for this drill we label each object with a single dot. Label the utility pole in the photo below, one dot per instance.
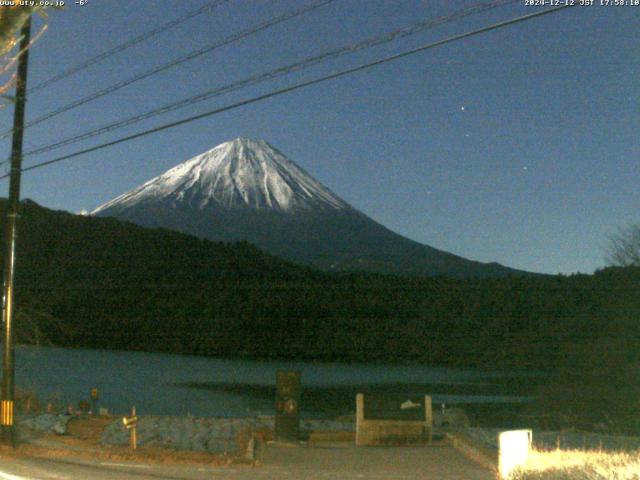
(13, 204)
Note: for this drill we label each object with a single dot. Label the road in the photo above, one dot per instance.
(311, 463)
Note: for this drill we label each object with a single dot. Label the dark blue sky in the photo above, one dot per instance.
(519, 146)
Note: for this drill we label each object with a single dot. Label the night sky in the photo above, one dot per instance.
(519, 146)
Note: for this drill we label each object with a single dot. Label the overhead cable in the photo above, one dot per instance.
(276, 73)
(124, 46)
(190, 56)
(298, 86)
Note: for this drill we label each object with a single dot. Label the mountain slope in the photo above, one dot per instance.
(246, 190)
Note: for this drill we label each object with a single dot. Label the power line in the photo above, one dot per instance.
(173, 63)
(125, 45)
(278, 72)
(298, 86)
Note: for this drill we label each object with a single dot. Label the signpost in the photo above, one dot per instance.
(131, 423)
(94, 401)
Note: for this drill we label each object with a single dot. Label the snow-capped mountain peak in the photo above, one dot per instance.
(237, 174)
(246, 190)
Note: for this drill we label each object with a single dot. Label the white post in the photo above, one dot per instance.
(514, 450)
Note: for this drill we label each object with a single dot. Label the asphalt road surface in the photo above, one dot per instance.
(278, 462)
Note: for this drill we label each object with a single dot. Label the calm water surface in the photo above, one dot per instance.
(151, 381)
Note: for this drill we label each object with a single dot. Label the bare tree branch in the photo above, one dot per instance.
(12, 19)
(624, 247)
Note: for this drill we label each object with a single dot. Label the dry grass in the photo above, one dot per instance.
(580, 465)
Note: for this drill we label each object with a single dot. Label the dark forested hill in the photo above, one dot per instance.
(99, 282)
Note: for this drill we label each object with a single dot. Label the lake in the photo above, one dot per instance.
(162, 384)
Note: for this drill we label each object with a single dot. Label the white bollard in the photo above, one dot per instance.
(514, 448)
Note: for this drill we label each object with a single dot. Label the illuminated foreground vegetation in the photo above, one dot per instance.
(580, 465)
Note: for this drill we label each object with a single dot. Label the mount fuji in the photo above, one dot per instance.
(246, 190)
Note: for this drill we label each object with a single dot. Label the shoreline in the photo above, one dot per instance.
(479, 370)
